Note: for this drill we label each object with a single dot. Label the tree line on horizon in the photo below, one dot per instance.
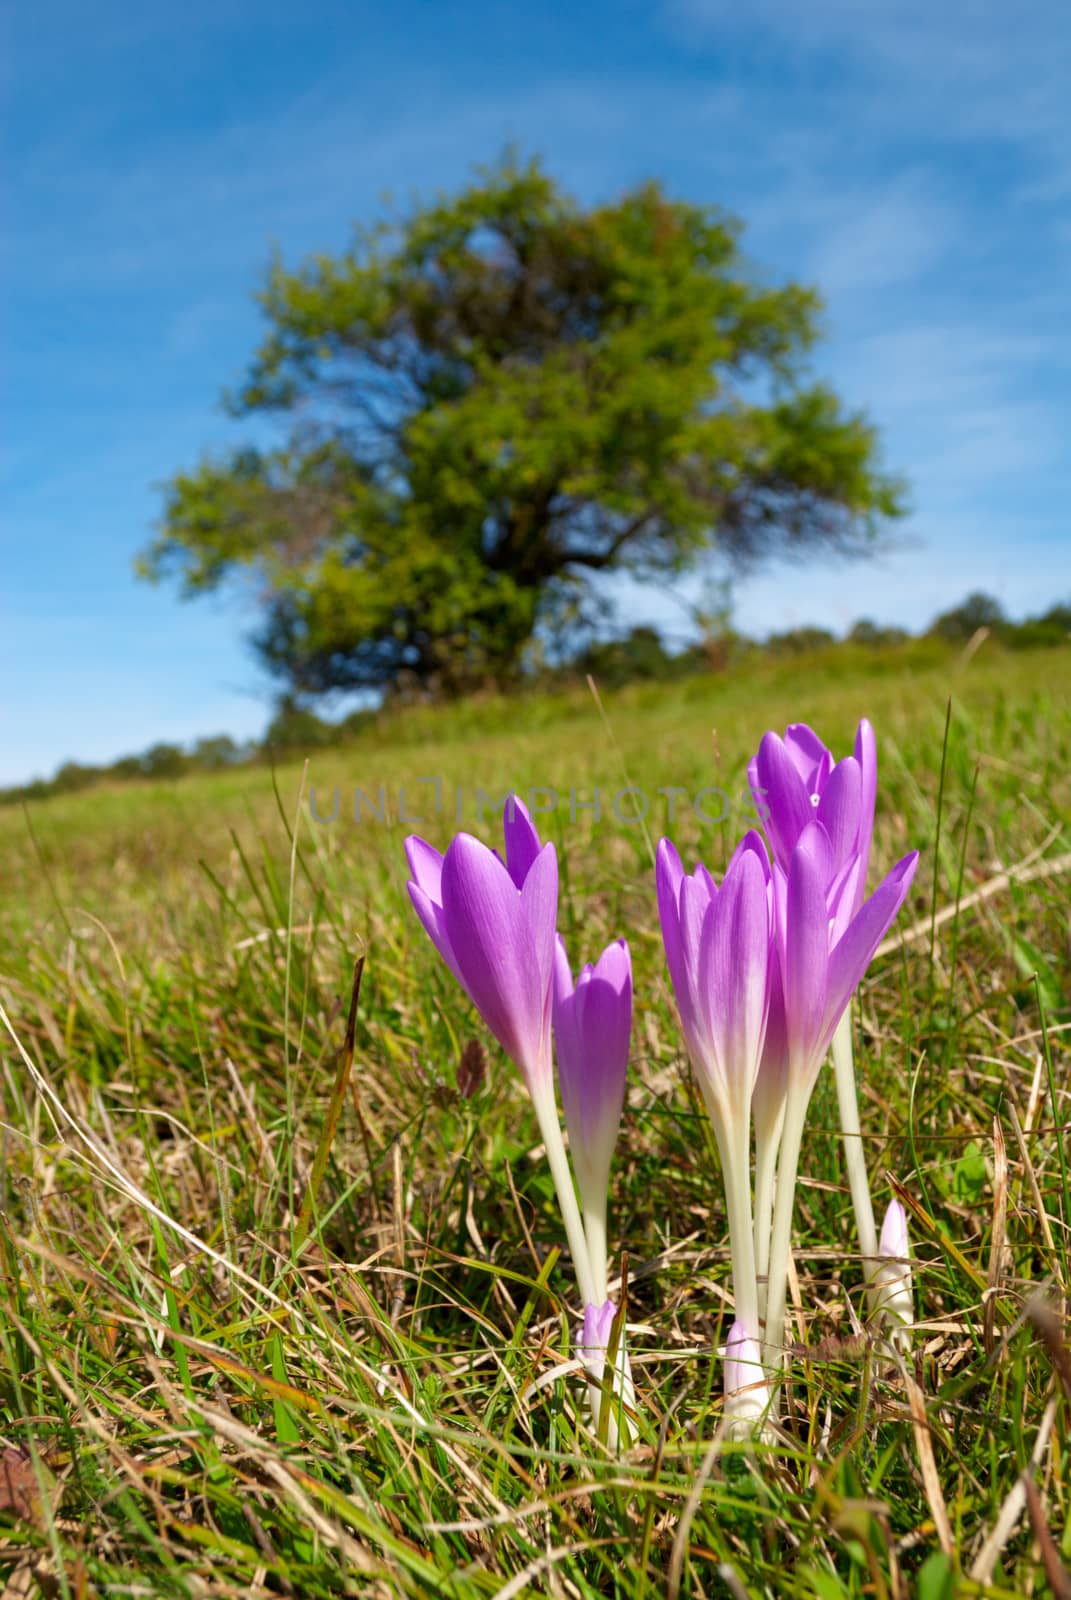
(638, 655)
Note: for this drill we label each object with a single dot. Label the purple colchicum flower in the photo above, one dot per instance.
(747, 1393)
(822, 959)
(493, 923)
(795, 782)
(718, 947)
(592, 1025)
(497, 937)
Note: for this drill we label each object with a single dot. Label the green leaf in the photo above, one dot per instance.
(287, 1430)
(937, 1578)
(970, 1175)
(825, 1585)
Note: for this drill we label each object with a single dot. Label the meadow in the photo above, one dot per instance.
(283, 1309)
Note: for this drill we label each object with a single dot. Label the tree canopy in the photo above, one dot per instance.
(484, 402)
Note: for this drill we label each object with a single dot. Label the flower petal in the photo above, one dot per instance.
(852, 955)
(426, 866)
(563, 976)
(805, 959)
(431, 915)
(784, 804)
(755, 844)
(696, 902)
(523, 843)
(771, 1084)
(866, 753)
(488, 930)
(810, 757)
(592, 1070)
(734, 966)
(839, 808)
(539, 901)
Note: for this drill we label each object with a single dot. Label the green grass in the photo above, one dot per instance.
(202, 1396)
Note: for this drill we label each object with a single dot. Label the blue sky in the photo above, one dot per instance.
(912, 159)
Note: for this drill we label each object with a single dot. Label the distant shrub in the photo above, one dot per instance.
(294, 727)
(164, 761)
(799, 641)
(72, 776)
(217, 753)
(639, 654)
(1044, 632)
(874, 636)
(963, 621)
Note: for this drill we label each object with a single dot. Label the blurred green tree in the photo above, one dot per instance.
(491, 399)
(164, 761)
(875, 636)
(962, 622)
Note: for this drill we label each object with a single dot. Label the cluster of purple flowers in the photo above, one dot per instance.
(763, 968)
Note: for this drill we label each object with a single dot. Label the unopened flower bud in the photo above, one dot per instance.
(892, 1297)
(747, 1394)
(595, 1338)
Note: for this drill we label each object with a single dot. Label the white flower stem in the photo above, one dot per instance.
(547, 1116)
(618, 1433)
(595, 1233)
(796, 1104)
(854, 1154)
(767, 1145)
(734, 1145)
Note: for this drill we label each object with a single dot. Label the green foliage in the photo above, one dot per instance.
(640, 654)
(800, 641)
(963, 621)
(487, 400)
(163, 761)
(1040, 633)
(293, 727)
(874, 636)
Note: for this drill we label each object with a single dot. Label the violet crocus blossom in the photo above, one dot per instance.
(592, 1025)
(497, 937)
(747, 1393)
(796, 782)
(822, 963)
(718, 947)
(493, 923)
(892, 1297)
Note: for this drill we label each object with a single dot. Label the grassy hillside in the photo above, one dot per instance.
(274, 1327)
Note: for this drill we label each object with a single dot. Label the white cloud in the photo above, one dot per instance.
(958, 72)
(881, 236)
